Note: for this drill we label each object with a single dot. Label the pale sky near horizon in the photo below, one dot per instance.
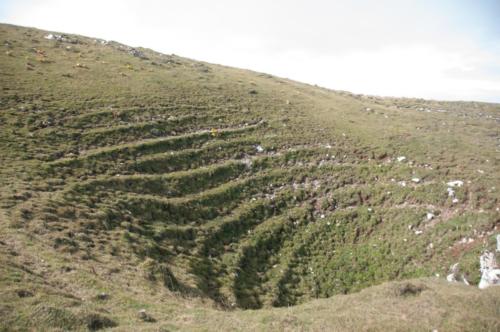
(441, 49)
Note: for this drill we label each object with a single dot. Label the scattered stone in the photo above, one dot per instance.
(454, 271)
(402, 183)
(101, 41)
(466, 240)
(451, 192)
(455, 201)
(144, 316)
(430, 216)
(61, 38)
(247, 162)
(137, 54)
(455, 276)
(455, 183)
(490, 272)
(259, 148)
(416, 180)
(401, 158)
(418, 232)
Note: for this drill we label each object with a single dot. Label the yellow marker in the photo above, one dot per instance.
(214, 132)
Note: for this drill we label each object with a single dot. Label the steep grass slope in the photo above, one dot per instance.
(132, 179)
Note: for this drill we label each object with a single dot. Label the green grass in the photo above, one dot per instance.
(198, 191)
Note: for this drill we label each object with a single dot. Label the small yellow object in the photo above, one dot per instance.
(214, 132)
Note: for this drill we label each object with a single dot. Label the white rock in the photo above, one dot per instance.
(416, 180)
(247, 162)
(455, 183)
(402, 183)
(490, 278)
(487, 261)
(49, 36)
(490, 273)
(401, 158)
(466, 240)
(454, 201)
(430, 216)
(259, 148)
(454, 276)
(451, 192)
(498, 243)
(418, 232)
(322, 216)
(451, 278)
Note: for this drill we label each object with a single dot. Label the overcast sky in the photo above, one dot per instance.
(441, 49)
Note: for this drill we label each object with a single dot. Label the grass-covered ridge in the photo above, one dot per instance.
(195, 191)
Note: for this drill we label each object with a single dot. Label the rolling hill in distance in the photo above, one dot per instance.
(145, 191)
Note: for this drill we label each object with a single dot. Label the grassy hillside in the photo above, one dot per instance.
(136, 180)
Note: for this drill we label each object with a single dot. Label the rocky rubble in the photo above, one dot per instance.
(61, 38)
(490, 271)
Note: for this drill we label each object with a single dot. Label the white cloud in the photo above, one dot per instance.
(398, 48)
